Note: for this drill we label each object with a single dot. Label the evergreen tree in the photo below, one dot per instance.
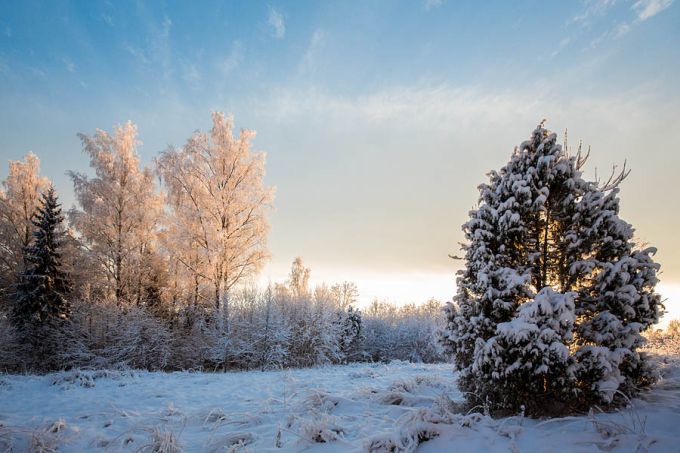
(42, 288)
(550, 268)
(351, 335)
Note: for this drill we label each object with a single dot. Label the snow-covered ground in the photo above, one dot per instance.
(361, 407)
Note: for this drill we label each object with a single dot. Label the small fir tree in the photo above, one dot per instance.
(351, 335)
(42, 288)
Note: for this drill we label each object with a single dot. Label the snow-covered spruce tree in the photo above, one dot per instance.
(555, 291)
(41, 308)
(42, 288)
(350, 334)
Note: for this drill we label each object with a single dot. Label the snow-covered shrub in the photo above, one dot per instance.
(406, 333)
(191, 338)
(659, 342)
(555, 292)
(13, 353)
(133, 338)
(142, 342)
(87, 378)
(53, 345)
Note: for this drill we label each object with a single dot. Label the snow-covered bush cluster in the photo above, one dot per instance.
(664, 342)
(281, 326)
(555, 291)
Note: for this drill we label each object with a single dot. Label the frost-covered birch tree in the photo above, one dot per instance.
(119, 210)
(218, 207)
(19, 199)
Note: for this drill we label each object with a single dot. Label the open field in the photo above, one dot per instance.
(358, 407)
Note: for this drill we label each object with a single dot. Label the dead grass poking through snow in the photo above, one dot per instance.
(162, 441)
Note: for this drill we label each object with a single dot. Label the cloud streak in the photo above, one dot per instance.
(641, 9)
(593, 9)
(308, 62)
(233, 59)
(649, 8)
(69, 65)
(277, 23)
(432, 4)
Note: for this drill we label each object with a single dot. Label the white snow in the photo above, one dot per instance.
(336, 409)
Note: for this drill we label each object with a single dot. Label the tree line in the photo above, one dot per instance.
(158, 277)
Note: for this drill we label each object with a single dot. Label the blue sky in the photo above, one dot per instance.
(379, 118)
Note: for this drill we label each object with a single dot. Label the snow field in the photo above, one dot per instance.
(349, 408)
(334, 408)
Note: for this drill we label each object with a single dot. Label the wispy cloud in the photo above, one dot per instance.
(155, 53)
(591, 10)
(308, 62)
(37, 72)
(644, 9)
(234, 59)
(277, 23)
(160, 50)
(69, 65)
(445, 109)
(107, 19)
(650, 8)
(599, 9)
(432, 4)
(434, 107)
(191, 75)
(621, 30)
(137, 53)
(564, 42)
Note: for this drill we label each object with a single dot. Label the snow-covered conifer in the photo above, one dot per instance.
(43, 286)
(351, 334)
(545, 246)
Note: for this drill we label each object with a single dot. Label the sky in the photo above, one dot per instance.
(379, 118)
